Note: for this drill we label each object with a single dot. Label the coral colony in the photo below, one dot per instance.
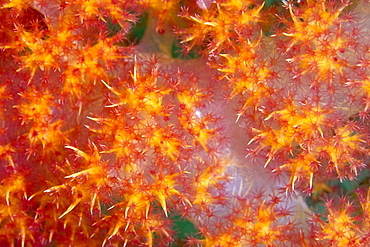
(123, 121)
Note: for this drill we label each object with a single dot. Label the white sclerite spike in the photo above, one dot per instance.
(204, 4)
(198, 114)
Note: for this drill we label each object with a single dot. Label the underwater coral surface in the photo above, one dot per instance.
(184, 123)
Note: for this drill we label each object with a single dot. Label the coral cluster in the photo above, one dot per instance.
(119, 117)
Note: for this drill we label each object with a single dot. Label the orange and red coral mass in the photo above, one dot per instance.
(227, 112)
